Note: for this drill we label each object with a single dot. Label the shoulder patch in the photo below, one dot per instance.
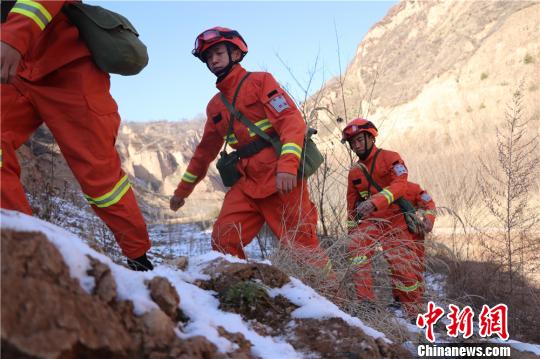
(425, 196)
(279, 103)
(272, 93)
(400, 169)
(217, 118)
(356, 181)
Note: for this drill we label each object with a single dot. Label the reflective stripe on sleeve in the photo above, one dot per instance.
(388, 195)
(429, 211)
(112, 197)
(189, 177)
(33, 10)
(291, 147)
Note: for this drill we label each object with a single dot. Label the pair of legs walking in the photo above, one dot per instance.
(292, 217)
(399, 250)
(75, 104)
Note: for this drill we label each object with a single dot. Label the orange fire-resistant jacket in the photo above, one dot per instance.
(389, 173)
(43, 36)
(265, 104)
(421, 200)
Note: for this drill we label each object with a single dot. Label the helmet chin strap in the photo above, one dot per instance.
(367, 151)
(223, 73)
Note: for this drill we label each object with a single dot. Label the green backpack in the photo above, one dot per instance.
(110, 37)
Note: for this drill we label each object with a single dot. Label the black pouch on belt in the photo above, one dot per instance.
(226, 166)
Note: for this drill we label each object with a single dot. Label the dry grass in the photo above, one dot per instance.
(476, 283)
(338, 285)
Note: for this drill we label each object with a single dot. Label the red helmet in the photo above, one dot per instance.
(357, 126)
(215, 35)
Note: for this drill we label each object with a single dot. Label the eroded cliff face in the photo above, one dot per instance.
(156, 156)
(436, 78)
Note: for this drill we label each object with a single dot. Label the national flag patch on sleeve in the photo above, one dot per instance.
(279, 103)
(400, 169)
(425, 197)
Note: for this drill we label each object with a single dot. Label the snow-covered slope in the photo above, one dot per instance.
(204, 313)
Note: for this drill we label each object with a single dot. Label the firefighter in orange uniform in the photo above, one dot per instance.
(374, 218)
(268, 189)
(48, 76)
(425, 210)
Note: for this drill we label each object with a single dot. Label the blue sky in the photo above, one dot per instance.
(176, 86)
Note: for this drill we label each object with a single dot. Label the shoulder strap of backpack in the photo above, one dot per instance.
(276, 143)
(231, 120)
(368, 174)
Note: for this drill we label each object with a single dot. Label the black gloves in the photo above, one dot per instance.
(141, 264)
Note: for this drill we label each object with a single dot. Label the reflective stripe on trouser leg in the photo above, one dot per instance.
(361, 251)
(84, 119)
(127, 225)
(111, 197)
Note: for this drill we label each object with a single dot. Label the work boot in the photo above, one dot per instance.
(141, 264)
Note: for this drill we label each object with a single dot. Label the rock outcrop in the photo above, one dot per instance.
(46, 313)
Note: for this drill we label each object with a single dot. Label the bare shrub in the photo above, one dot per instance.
(494, 257)
(506, 188)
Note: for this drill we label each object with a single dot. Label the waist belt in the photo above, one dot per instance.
(253, 147)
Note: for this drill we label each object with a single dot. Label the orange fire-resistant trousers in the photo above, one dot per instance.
(399, 250)
(292, 217)
(75, 104)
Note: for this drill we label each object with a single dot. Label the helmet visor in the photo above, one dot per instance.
(355, 129)
(212, 35)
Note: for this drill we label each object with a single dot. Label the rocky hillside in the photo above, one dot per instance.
(436, 78)
(61, 299)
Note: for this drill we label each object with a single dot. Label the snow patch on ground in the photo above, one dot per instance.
(313, 305)
(199, 305)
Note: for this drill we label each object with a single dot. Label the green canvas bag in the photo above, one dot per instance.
(311, 158)
(110, 37)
